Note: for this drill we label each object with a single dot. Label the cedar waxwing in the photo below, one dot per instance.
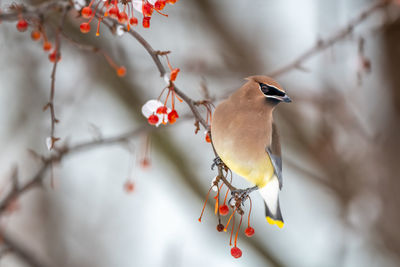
(246, 139)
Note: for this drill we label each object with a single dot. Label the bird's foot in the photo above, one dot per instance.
(217, 162)
(241, 194)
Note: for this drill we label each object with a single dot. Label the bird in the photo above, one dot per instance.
(246, 139)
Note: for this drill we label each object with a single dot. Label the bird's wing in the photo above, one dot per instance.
(274, 152)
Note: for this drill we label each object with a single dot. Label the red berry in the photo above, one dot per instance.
(47, 46)
(85, 27)
(160, 4)
(224, 210)
(22, 25)
(114, 12)
(54, 56)
(35, 35)
(86, 12)
(145, 163)
(129, 186)
(162, 110)
(122, 17)
(236, 252)
(153, 119)
(147, 9)
(121, 71)
(172, 116)
(146, 22)
(220, 227)
(249, 231)
(208, 139)
(133, 21)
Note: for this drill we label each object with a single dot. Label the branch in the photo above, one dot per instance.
(57, 55)
(323, 44)
(32, 11)
(15, 248)
(58, 155)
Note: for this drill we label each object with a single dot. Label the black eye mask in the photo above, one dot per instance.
(269, 90)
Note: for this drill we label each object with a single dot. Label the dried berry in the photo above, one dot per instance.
(220, 227)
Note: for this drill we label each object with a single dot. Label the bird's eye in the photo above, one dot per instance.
(269, 90)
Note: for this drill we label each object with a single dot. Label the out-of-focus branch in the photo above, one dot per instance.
(323, 44)
(37, 178)
(20, 251)
(58, 154)
(32, 11)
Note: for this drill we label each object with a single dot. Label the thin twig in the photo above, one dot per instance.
(50, 104)
(323, 44)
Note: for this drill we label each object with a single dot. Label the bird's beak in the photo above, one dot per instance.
(286, 99)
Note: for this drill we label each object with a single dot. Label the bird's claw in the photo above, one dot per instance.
(241, 194)
(217, 162)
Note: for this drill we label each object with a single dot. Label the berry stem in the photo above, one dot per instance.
(91, 3)
(248, 218)
(98, 26)
(226, 195)
(159, 12)
(233, 213)
(233, 228)
(237, 232)
(169, 64)
(173, 98)
(217, 206)
(109, 60)
(162, 92)
(166, 99)
(205, 203)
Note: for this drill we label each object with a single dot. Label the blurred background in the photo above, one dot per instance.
(340, 139)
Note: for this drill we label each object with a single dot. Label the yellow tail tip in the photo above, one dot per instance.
(272, 221)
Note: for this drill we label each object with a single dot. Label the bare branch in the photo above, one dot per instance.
(323, 44)
(50, 104)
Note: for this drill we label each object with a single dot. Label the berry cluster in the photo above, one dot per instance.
(158, 112)
(122, 11)
(37, 34)
(223, 210)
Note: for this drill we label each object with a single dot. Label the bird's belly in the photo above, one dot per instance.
(257, 171)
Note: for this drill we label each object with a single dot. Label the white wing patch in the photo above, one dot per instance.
(270, 194)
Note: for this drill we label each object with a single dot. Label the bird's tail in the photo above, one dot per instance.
(270, 194)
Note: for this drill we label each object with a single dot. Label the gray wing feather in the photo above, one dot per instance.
(274, 152)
